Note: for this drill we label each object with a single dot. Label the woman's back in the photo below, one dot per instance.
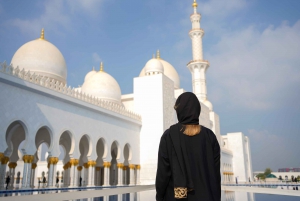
(188, 161)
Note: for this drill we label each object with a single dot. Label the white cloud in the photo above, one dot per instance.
(88, 6)
(54, 17)
(221, 8)
(58, 15)
(252, 69)
(96, 57)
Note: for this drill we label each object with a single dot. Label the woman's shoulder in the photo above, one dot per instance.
(208, 132)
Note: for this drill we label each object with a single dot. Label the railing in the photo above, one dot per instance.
(78, 193)
(62, 88)
(196, 29)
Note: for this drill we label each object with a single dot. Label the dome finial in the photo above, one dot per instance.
(42, 34)
(195, 5)
(101, 67)
(157, 54)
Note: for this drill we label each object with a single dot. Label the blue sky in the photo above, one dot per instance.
(253, 48)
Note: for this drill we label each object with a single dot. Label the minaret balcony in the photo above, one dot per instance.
(196, 29)
(199, 61)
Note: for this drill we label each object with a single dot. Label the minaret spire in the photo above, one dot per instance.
(198, 66)
(42, 34)
(101, 67)
(157, 54)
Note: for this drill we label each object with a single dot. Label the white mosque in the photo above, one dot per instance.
(103, 137)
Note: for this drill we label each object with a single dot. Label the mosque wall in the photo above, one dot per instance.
(36, 106)
(156, 109)
(236, 143)
(204, 118)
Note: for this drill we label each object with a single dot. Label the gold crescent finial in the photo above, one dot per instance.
(101, 67)
(195, 5)
(157, 54)
(42, 34)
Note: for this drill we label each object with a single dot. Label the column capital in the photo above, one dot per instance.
(125, 167)
(138, 167)
(79, 168)
(131, 166)
(4, 160)
(28, 158)
(91, 163)
(86, 165)
(33, 166)
(53, 160)
(106, 164)
(1, 155)
(74, 162)
(120, 165)
(12, 165)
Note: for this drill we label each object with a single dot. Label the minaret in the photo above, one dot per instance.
(198, 66)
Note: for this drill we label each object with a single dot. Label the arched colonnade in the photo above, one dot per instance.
(110, 164)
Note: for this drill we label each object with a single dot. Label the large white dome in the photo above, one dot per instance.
(90, 74)
(169, 71)
(41, 57)
(103, 86)
(154, 66)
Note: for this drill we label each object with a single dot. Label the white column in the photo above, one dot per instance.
(120, 174)
(85, 175)
(50, 176)
(75, 179)
(131, 180)
(72, 175)
(4, 161)
(80, 174)
(12, 166)
(33, 166)
(106, 166)
(98, 176)
(125, 179)
(91, 172)
(27, 170)
(138, 167)
(51, 173)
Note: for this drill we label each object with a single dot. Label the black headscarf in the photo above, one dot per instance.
(188, 110)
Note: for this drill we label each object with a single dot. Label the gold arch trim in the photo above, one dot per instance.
(106, 164)
(33, 166)
(53, 160)
(12, 165)
(120, 165)
(28, 158)
(131, 166)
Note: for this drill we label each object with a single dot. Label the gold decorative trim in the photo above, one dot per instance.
(106, 164)
(138, 167)
(131, 166)
(195, 5)
(180, 192)
(74, 162)
(53, 160)
(33, 166)
(91, 163)
(85, 165)
(28, 158)
(4, 160)
(125, 167)
(1, 156)
(120, 165)
(79, 168)
(98, 168)
(12, 165)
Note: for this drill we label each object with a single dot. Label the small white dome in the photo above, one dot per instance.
(154, 66)
(208, 104)
(90, 74)
(169, 71)
(103, 86)
(41, 57)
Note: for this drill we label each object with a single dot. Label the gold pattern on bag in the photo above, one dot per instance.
(180, 192)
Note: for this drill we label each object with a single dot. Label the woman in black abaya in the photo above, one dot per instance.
(188, 157)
